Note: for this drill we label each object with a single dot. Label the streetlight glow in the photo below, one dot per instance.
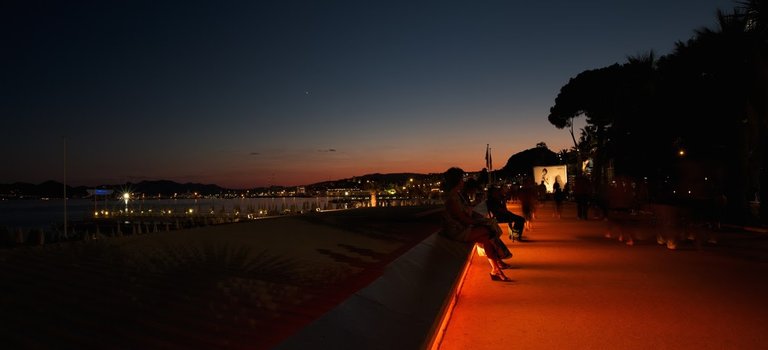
(126, 197)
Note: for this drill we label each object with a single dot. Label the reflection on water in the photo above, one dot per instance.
(37, 213)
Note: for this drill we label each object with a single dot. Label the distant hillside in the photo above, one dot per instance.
(169, 188)
(50, 189)
(381, 179)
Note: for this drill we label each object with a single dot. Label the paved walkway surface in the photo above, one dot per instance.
(573, 288)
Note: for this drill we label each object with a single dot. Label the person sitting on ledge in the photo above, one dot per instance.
(459, 224)
(498, 208)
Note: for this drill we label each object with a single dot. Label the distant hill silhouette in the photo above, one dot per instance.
(520, 163)
(523, 162)
(169, 188)
(50, 189)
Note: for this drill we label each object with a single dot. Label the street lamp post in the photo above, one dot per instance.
(65, 187)
(126, 197)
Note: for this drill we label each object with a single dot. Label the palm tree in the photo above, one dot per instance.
(755, 13)
(714, 90)
(709, 96)
(636, 106)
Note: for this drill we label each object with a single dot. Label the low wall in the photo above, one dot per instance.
(402, 309)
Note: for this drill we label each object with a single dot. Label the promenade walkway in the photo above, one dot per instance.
(573, 288)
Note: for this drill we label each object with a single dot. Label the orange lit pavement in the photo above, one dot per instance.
(575, 289)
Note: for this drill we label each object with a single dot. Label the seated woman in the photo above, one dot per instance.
(498, 208)
(459, 223)
(474, 197)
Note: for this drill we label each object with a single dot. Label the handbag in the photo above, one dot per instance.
(498, 245)
(501, 249)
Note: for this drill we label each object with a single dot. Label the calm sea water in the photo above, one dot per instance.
(44, 213)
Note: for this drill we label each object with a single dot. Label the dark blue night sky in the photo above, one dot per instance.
(252, 93)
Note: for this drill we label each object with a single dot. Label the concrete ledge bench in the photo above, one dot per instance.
(401, 309)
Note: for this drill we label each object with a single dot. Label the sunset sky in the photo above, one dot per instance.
(253, 93)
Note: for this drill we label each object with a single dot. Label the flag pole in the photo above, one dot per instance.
(65, 187)
(490, 165)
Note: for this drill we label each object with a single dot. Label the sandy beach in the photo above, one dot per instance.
(236, 286)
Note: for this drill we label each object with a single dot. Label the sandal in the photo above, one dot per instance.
(500, 276)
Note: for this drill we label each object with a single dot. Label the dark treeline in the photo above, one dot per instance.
(693, 120)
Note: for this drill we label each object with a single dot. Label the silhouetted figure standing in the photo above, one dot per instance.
(582, 192)
(542, 190)
(559, 197)
(528, 199)
(720, 203)
(601, 199)
(621, 205)
(668, 215)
